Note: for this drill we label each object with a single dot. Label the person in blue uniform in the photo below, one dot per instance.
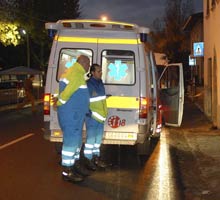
(96, 118)
(72, 106)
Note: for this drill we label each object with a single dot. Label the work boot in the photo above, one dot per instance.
(99, 162)
(79, 168)
(88, 164)
(68, 174)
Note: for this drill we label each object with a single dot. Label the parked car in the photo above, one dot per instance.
(11, 92)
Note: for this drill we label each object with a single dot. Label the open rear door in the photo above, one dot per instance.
(171, 89)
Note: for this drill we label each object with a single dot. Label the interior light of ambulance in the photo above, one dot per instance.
(67, 25)
(128, 27)
(46, 104)
(98, 25)
(143, 107)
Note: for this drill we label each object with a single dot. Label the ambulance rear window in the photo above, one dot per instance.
(68, 57)
(118, 67)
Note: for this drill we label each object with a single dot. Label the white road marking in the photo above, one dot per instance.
(16, 140)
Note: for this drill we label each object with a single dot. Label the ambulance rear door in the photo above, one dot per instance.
(171, 89)
(68, 48)
(119, 65)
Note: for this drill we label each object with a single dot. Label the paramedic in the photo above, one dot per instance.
(72, 106)
(96, 117)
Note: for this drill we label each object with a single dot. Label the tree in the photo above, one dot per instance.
(171, 39)
(31, 15)
(9, 34)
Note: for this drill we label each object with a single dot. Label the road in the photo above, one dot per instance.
(30, 167)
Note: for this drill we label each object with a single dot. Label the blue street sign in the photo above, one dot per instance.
(198, 49)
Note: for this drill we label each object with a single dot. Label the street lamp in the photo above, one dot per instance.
(28, 46)
(104, 18)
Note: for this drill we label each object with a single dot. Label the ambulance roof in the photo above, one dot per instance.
(95, 24)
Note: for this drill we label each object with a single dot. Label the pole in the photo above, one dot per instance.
(28, 50)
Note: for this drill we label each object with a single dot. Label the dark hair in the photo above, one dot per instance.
(92, 69)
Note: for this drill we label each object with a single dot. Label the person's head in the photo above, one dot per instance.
(96, 71)
(31, 77)
(84, 61)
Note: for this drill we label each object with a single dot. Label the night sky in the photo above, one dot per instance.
(141, 12)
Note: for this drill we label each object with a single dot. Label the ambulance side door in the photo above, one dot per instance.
(154, 90)
(171, 90)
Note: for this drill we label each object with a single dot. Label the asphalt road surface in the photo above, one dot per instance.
(29, 167)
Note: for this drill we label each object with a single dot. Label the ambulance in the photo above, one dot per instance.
(129, 76)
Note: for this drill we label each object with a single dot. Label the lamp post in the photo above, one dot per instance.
(28, 47)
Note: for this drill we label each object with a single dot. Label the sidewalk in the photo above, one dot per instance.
(197, 148)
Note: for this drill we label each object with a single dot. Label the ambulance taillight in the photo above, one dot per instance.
(143, 107)
(47, 104)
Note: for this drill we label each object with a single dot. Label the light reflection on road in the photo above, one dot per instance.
(163, 183)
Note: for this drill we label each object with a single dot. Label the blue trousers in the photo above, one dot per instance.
(94, 131)
(71, 116)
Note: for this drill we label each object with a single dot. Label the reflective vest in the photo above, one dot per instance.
(98, 105)
(73, 79)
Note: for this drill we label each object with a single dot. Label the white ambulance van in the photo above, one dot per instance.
(128, 74)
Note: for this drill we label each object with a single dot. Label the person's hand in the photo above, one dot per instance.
(54, 102)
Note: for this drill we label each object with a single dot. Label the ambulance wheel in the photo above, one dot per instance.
(143, 151)
(144, 148)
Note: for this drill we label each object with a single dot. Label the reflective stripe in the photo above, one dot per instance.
(94, 99)
(118, 41)
(97, 145)
(98, 116)
(62, 101)
(65, 80)
(96, 151)
(87, 151)
(83, 86)
(99, 40)
(78, 150)
(122, 102)
(68, 161)
(90, 146)
(67, 153)
(76, 156)
(76, 39)
(55, 95)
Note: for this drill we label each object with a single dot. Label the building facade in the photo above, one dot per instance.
(195, 88)
(211, 18)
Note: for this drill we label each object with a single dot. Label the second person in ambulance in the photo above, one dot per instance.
(96, 117)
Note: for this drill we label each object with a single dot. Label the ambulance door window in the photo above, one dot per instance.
(118, 67)
(68, 57)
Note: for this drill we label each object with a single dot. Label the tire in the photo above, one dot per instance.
(144, 148)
